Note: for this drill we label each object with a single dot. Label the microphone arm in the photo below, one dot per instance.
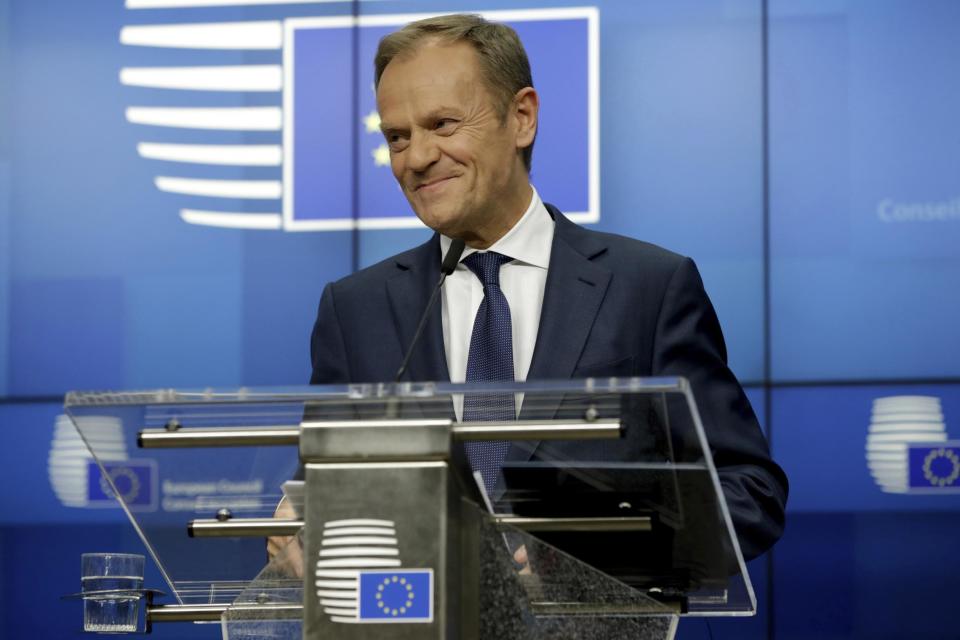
(446, 268)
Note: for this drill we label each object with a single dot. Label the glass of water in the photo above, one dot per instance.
(113, 582)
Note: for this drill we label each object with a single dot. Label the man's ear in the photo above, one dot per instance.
(526, 109)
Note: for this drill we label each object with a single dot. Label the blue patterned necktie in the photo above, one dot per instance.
(490, 360)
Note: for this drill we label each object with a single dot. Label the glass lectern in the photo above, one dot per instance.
(607, 518)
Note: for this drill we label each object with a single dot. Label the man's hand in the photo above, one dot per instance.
(286, 552)
(520, 557)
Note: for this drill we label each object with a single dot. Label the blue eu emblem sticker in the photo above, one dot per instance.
(396, 596)
(935, 467)
(135, 480)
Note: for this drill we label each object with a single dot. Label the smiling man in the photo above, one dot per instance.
(534, 296)
(456, 146)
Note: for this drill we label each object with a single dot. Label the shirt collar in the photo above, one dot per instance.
(529, 240)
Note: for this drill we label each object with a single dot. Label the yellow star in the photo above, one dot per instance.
(372, 122)
(381, 155)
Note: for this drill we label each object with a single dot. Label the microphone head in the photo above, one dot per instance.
(453, 256)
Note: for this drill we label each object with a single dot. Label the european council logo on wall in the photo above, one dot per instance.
(359, 577)
(907, 446)
(290, 139)
(77, 479)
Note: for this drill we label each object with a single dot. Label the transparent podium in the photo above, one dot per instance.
(606, 520)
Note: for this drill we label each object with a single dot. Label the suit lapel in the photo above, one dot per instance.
(409, 291)
(575, 288)
(574, 292)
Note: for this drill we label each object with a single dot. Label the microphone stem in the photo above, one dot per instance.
(420, 327)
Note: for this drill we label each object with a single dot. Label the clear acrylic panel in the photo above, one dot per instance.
(684, 561)
(270, 605)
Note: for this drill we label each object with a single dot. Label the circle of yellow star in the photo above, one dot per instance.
(941, 453)
(406, 594)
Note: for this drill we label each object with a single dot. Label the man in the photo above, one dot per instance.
(547, 298)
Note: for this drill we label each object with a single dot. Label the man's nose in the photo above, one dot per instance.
(422, 152)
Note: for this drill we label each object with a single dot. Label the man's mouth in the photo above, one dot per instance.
(433, 184)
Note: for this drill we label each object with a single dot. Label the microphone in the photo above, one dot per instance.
(446, 268)
(451, 260)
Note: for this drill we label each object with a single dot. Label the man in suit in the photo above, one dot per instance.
(534, 296)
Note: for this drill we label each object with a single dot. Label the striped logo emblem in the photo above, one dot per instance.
(358, 566)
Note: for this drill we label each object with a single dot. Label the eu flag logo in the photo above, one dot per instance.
(396, 596)
(935, 467)
(135, 480)
(336, 162)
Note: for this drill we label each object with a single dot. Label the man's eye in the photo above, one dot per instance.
(396, 141)
(444, 124)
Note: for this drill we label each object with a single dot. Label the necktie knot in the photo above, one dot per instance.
(486, 266)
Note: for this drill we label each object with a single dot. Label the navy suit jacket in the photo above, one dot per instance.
(613, 306)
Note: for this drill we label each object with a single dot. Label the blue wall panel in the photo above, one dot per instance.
(68, 334)
(865, 209)
(682, 154)
(283, 277)
(6, 185)
(866, 576)
(5, 222)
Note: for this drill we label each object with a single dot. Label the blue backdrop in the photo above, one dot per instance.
(801, 153)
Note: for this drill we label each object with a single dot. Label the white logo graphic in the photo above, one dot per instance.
(70, 461)
(348, 547)
(896, 423)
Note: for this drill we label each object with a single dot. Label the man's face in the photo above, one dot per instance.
(454, 158)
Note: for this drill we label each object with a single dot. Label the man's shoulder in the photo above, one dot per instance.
(616, 250)
(387, 268)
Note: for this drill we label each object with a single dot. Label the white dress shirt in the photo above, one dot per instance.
(522, 281)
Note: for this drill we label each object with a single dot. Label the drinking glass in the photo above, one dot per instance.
(113, 582)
